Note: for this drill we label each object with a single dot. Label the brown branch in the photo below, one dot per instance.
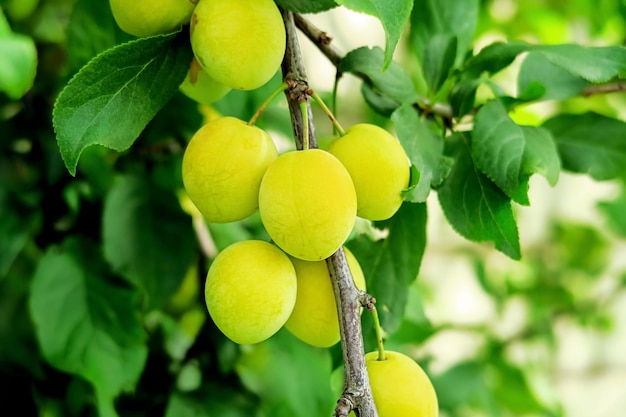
(604, 89)
(294, 74)
(324, 44)
(357, 393)
(319, 38)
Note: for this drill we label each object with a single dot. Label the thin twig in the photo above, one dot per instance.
(324, 44)
(203, 234)
(604, 89)
(319, 38)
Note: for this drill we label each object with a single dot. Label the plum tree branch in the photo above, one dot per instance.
(604, 89)
(324, 43)
(319, 38)
(357, 394)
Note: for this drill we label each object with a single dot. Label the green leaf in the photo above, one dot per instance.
(438, 60)
(288, 376)
(391, 264)
(475, 207)
(393, 83)
(594, 64)
(19, 349)
(211, 400)
(424, 149)
(590, 143)
(18, 65)
(393, 15)
(87, 323)
(558, 83)
(463, 96)
(17, 223)
(307, 6)
(512, 390)
(147, 237)
(459, 384)
(415, 326)
(509, 154)
(615, 213)
(111, 100)
(494, 58)
(451, 18)
(381, 104)
(91, 30)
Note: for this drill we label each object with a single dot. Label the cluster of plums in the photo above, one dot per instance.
(237, 44)
(308, 200)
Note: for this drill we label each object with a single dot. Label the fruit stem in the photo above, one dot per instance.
(267, 102)
(329, 113)
(305, 124)
(379, 335)
(334, 99)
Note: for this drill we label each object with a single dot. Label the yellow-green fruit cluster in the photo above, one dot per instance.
(223, 165)
(378, 166)
(250, 291)
(239, 43)
(400, 387)
(308, 204)
(314, 319)
(151, 17)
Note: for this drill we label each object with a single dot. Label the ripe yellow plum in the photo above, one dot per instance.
(250, 290)
(400, 386)
(379, 168)
(223, 165)
(239, 43)
(307, 203)
(199, 86)
(314, 318)
(151, 17)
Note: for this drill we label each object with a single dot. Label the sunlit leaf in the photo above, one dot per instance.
(393, 83)
(393, 15)
(558, 83)
(18, 64)
(438, 60)
(596, 64)
(451, 18)
(590, 143)
(615, 213)
(424, 149)
(509, 154)
(475, 207)
(112, 99)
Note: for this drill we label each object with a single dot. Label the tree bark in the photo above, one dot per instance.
(357, 394)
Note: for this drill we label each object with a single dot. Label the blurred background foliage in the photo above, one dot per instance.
(540, 337)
